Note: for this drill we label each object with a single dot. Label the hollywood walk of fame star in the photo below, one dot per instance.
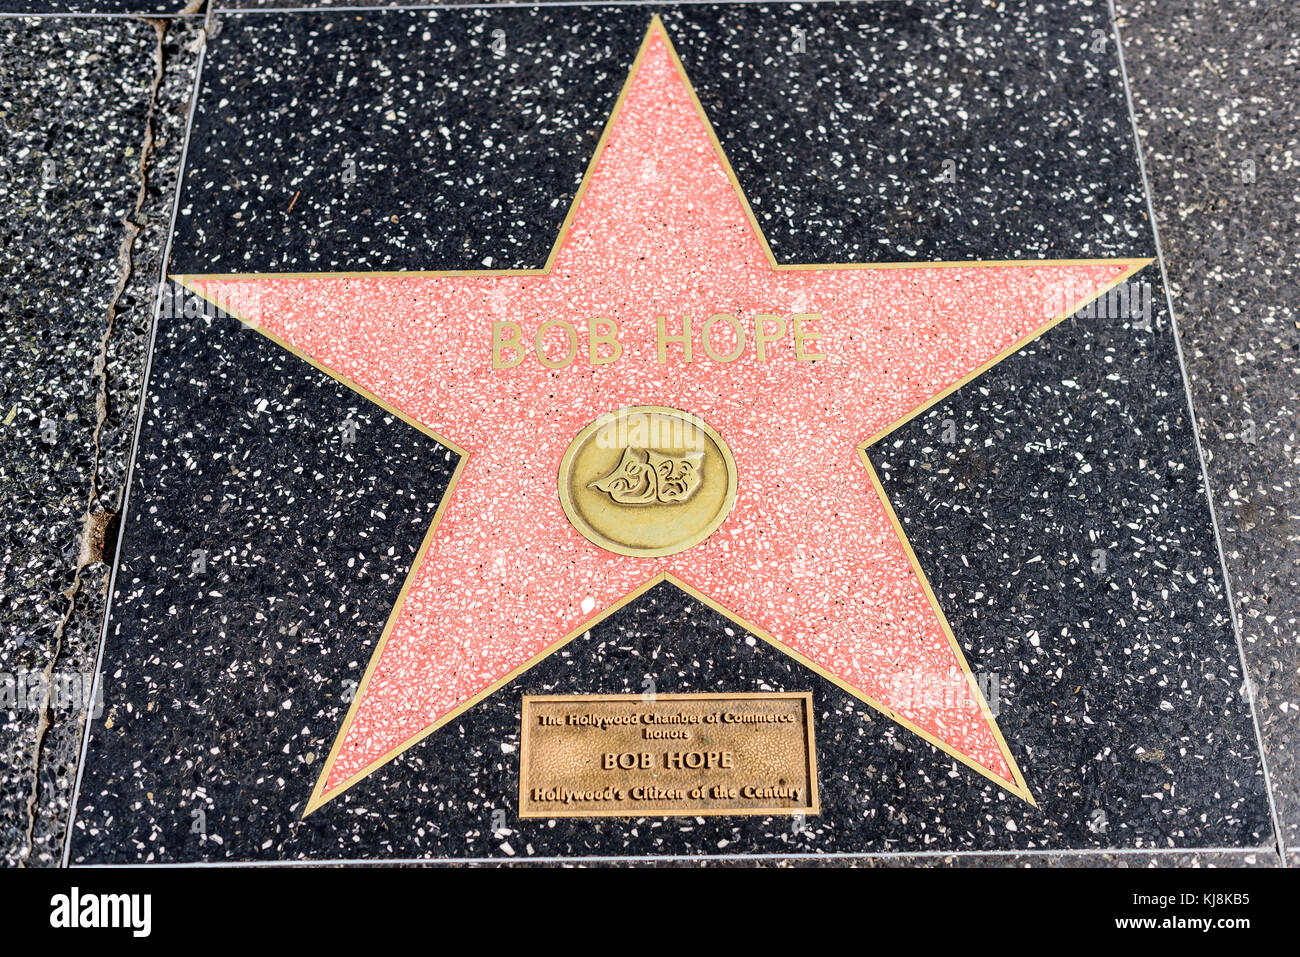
(499, 367)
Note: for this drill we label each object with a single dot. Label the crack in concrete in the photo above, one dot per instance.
(93, 521)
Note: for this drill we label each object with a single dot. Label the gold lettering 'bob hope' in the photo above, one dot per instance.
(722, 337)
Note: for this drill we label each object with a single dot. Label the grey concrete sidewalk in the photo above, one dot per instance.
(93, 113)
(1215, 87)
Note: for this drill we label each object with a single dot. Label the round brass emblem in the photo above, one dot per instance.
(647, 481)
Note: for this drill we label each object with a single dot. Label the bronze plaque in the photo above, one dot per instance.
(668, 754)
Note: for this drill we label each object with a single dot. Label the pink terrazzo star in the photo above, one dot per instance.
(810, 556)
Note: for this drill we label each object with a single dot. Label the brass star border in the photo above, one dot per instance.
(1020, 789)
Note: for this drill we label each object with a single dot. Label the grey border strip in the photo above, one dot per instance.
(83, 15)
(1269, 852)
(526, 4)
(1277, 850)
(135, 447)
(1196, 436)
